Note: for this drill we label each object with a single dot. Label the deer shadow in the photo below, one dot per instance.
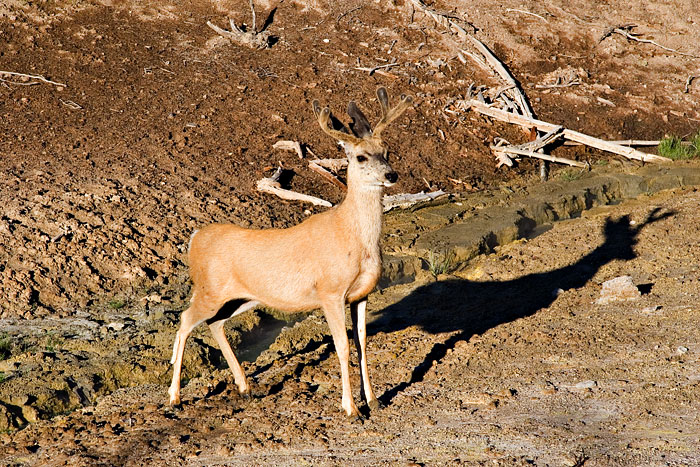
(469, 308)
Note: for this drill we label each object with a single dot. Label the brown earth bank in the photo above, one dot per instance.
(154, 126)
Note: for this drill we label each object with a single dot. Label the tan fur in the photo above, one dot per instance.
(330, 259)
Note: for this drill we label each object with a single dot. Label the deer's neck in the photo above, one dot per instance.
(362, 210)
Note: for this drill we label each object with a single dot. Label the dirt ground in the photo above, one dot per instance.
(154, 126)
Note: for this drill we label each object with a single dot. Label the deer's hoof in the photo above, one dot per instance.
(374, 404)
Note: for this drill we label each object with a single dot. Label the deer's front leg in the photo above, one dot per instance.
(358, 312)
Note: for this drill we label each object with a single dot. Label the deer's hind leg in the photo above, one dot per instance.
(216, 325)
(190, 319)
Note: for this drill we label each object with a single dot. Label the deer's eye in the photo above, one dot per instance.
(361, 158)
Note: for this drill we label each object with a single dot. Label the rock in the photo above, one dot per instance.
(115, 326)
(619, 289)
(589, 384)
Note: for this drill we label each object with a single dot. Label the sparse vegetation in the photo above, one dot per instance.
(3, 377)
(116, 304)
(5, 346)
(53, 342)
(675, 148)
(570, 175)
(439, 263)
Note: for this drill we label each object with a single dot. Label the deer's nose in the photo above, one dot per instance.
(392, 177)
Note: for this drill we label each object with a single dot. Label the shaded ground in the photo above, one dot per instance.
(162, 127)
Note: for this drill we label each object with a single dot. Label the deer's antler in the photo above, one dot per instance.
(389, 115)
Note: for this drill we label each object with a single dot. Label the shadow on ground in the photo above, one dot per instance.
(470, 308)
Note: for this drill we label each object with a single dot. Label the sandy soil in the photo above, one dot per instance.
(159, 126)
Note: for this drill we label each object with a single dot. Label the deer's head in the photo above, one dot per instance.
(368, 164)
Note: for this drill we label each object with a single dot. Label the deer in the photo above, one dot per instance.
(330, 259)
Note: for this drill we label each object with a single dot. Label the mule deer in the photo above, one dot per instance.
(330, 259)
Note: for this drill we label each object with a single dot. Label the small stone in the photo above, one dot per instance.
(588, 384)
(618, 290)
(115, 326)
(681, 350)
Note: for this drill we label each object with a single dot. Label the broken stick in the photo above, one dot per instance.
(501, 70)
(406, 200)
(537, 155)
(287, 145)
(322, 171)
(272, 186)
(24, 75)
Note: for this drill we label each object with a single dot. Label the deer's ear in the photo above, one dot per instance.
(360, 125)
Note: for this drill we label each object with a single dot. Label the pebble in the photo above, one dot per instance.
(681, 350)
(588, 384)
(115, 326)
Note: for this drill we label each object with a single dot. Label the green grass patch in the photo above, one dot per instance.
(675, 148)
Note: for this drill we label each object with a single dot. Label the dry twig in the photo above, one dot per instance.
(527, 13)
(24, 75)
(625, 31)
(376, 68)
(71, 104)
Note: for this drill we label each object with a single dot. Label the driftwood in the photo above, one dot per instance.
(272, 186)
(250, 38)
(406, 200)
(286, 145)
(505, 75)
(623, 142)
(540, 125)
(534, 149)
(316, 166)
(537, 155)
(332, 164)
